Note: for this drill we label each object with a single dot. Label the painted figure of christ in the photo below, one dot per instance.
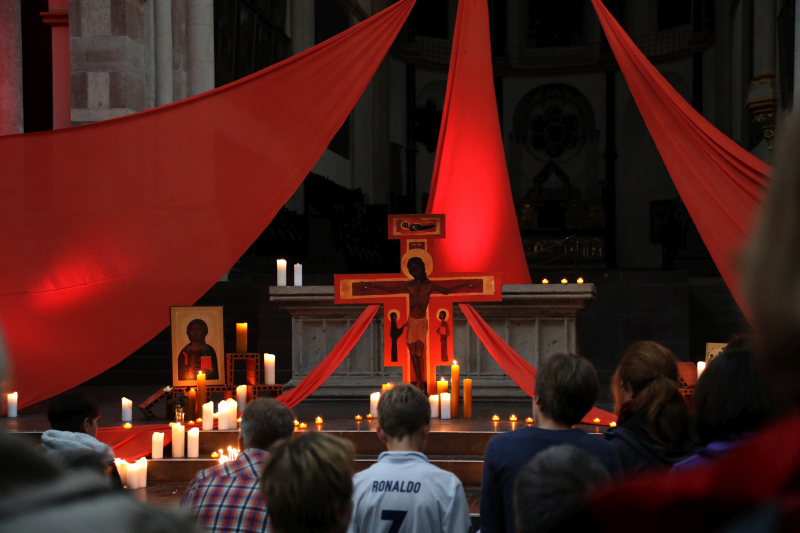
(419, 290)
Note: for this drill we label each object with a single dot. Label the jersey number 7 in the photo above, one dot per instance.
(396, 517)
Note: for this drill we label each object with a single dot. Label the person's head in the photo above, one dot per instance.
(265, 421)
(732, 397)
(416, 267)
(74, 411)
(648, 375)
(442, 315)
(566, 388)
(403, 411)
(197, 330)
(308, 484)
(553, 486)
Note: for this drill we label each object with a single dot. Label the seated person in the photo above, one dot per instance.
(227, 497)
(566, 389)
(403, 491)
(553, 487)
(308, 484)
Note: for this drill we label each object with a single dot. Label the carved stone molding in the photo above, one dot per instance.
(763, 111)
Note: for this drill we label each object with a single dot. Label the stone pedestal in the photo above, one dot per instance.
(536, 320)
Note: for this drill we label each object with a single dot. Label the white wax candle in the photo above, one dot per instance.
(133, 474)
(298, 275)
(281, 272)
(127, 410)
(701, 365)
(158, 445)
(233, 412)
(178, 439)
(373, 403)
(223, 418)
(12, 405)
(142, 473)
(208, 416)
(434, 400)
(193, 443)
(269, 369)
(241, 396)
(122, 469)
(444, 407)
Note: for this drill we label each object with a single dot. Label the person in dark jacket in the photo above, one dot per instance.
(653, 427)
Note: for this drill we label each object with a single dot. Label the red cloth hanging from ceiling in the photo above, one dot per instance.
(720, 182)
(470, 179)
(105, 226)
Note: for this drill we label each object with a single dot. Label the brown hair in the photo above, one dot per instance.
(308, 482)
(651, 372)
(567, 387)
(403, 410)
(265, 421)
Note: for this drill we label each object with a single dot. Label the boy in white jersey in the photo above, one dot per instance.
(403, 492)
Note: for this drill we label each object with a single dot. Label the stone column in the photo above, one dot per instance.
(381, 145)
(58, 18)
(796, 96)
(10, 68)
(163, 51)
(200, 49)
(178, 49)
(762, 100)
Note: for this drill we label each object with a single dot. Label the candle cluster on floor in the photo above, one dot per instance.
(445, 404)
(133, 475)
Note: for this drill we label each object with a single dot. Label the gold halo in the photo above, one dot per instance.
(445, 311)
(416, 252)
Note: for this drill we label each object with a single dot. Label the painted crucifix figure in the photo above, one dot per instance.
(415, 299)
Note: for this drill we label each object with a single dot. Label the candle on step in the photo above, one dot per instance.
(281, 272)
(201, 388)
(441, 386)
(318, 420)
(701, 365)
(12, 404)
(434, 401)
(580, 280)
(529, 420)
(127, 425)
(467, 398)
(157, 451)
(241, 337)
(298, 275)
(190, 408)
(122, 470)
(564, 281)
(303, 425)
(142, 472)
(369, 416)
(545, 281)
(495, 418)
(455, 381)
(241, 396)
(224, 418)
(444, 405)
(513, 418)
(374, 398)
(269, 369)
(193, 443)
(127, 410)
(233, 412)
(208, 416)
(178, 439)
(358, 418)
(133, 474)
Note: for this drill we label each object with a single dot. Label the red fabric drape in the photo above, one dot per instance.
(521, 371)
(131, 444)
(105, 226)
(470, 179)
(720, 182)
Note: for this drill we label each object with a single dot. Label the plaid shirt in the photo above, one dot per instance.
(227, 498)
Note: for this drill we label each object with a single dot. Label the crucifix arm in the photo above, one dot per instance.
(397, 289)
(471, 283)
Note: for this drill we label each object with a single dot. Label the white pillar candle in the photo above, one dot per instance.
(127, 410)
(374, 398)
(178, 439)
(122, 469)
(241, 395)
(133, 474)
(208, 416)
(193, 443)
(142, 472)
(444, 405)
(233, 412)
(223, 416)
(298, 275)
(158, 445)
(434, 400)
(701, 365)
(281, 272)
(269, 369)
(12, 405)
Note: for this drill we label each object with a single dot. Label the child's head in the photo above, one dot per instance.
(403, 410)
(566, 388)
(73, 411)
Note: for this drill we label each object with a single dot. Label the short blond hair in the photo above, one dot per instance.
(306, 481)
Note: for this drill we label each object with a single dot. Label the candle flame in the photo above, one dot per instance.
(580, 280)
(233, 453)
(513, 418)
(296, 422)
(318, 420)
(369, 416)
(495, 418)
(303, 425)
(127, 425)
(613, 424)
(358, 417)
(564, 280)
(596, 420)
(455, 363)
(529, 420)
(545, 281)
(442, 380)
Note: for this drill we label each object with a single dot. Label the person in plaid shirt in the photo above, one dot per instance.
(227, 498)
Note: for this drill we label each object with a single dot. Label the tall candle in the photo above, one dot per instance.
(193, 443)
(441, 386)
(455, 380)
(201, 388)
(224, 417)
(133, 473)
(233, 412)
(142, 472)
(281, 272)
(467, 398)
(122, 470)
(178, 439)
(269, 369)
(434, 400)
(12, 404)
(190, 408)
(241, 337)
(374, 398)
(157, 451)
(444, 408)
(701, 365)
(241, 396)
(298, 275)
(208, 416)
(127, 410)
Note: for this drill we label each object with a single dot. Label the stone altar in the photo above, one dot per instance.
(535, 320)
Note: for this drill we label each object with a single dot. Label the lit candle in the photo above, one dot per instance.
(224, 417)
(613, 424)
(455, 381)
(358, 417)
(580, 280)
(564, 281)
(545, 281)
(157, 451)
(241, 337)
(369, 416)
(441, 386)
(513, 418)
(529, 420)
(142, 472)
(233, 412)
(434, 401)
(122, 470)
(298, 275)
(303, 425)
(495, 418)
(12, 405)
(281, 272)
(127, 410)
(467, 398)
(127, 425)
(133, 474)
(318, 420)
(241, 395)
(178, 439)
(384, 387)
(444, 405)
(701, 365)
(215, 455)
(296, 422)
(193, 443)
(269, 369)
(373, 403)
(190, 408)
(208, 416)
(201, 388)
